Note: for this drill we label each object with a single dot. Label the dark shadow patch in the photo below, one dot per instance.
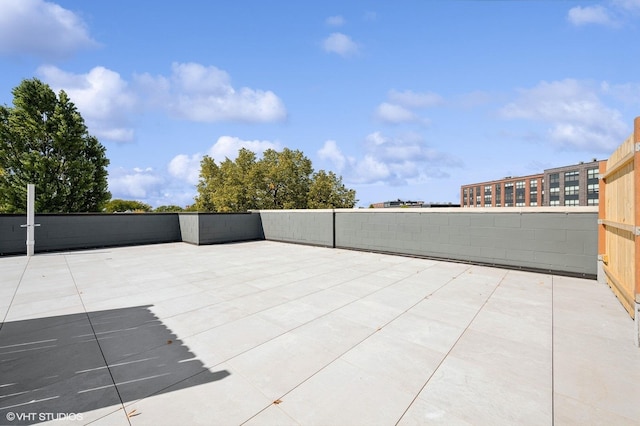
(56, 365)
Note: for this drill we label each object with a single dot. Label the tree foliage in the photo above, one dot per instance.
(279, 180)
(43, 140)
(120, 206)
(168, 209)
(327, 191)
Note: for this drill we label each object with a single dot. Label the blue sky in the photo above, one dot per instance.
(405, 100)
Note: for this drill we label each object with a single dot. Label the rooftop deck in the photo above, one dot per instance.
(267, 333)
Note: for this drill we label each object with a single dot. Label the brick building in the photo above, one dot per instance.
(574, 185)
(520, 191)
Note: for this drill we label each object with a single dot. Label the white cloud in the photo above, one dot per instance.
(102, 97)
(577, 117)
(400, 108)
(390, 160)
(204, 94)
(187, 167)
(335, 21)
(472, 99)
(395, 114)
(590, 15)
(341, 44)
(371, 170)
(137, 183)
(40, 28)
(193, 92)
(141, 170)
(628, 5)
(228, 147)
(612, 13)
(412, 99)
(629, 93)
(331, 152)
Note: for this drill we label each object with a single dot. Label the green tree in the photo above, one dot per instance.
(43, 140)
(119, 206)
(279, 180)
(283, 179)
(328, 192)
(229, 187)
(208, 185)
(168, 209)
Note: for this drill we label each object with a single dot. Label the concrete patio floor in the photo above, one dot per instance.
(267, 333)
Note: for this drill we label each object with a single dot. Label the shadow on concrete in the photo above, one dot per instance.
(69, 364)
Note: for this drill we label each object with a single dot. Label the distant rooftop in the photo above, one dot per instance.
(408, 203)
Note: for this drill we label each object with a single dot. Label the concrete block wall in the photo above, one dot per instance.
(313, 227)
(226, 227)
(550, 239)
(189, 227)
(12, 237)
(76, 231)
(541, 238)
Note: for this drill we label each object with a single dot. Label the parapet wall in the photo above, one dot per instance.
(215, 228)
(78, 231)
(535, 238)
(313, 227)
(547, 239)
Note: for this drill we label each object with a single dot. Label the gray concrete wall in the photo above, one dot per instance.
(75, 231)
(551, 239)
(227, 227)
(313, 227)
(189, 227)
(12, 237)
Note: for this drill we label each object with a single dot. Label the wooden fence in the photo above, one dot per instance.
(619, 221)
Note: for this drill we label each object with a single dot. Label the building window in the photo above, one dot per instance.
(592, 174)
(487, 190)
(554, 178)
(508, 194)
(533, 183)
(487, 200)
(554, 202)
(571, 190)
(570, 202)
(534, 204)
(554, 191)
(520, 193)
(592, 202)
(593, 188)
(571, 176)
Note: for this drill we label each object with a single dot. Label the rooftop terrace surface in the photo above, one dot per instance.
(267, 333)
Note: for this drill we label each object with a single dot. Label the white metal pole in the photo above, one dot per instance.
(31, 199)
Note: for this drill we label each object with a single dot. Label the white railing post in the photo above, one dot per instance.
(31, 218)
